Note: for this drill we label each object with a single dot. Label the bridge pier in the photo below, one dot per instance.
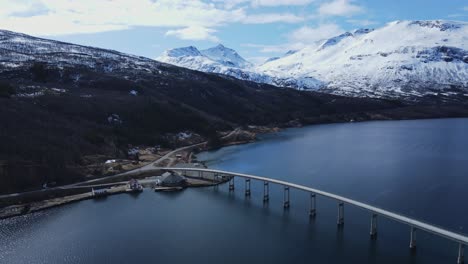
(215, 180)
(461, 254)
(412, 244)
(373, 227)
(340, 220)
(247, 187)
(266, 191)
(312, 209)
(286, 197)
(231, 184)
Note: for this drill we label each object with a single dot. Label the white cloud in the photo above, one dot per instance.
(310, 35)
(362, 22)
(465, 8)
(281, 48)
(272, 18)
(300, 38)
(61, 17)
(259, 3)
(339, 8)
(280, 2)
(194, 33)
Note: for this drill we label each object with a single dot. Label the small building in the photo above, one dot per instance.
(133, 154)
(172, 179)
(134, 185)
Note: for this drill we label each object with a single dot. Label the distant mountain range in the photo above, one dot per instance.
(401, 59)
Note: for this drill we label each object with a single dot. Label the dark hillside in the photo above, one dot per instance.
(61, 103)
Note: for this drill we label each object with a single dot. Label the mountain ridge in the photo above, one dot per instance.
(401, 59)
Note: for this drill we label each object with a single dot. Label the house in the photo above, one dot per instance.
(135, 185)
(133, 154)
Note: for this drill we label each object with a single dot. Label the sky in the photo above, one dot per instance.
(257, 29)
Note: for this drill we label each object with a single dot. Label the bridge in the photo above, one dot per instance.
(414, 224)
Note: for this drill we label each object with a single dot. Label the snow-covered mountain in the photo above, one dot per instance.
(409, 58)
(218, 59)
(403, 57)
(20, 51)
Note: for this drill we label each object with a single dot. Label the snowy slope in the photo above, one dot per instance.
(227, 61)
(402, 58)
(227, 57)
(218, 59)
(20, 50)
(409, 58)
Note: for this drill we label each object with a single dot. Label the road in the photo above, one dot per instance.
(148, 167)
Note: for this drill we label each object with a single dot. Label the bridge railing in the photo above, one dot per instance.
(414, 224)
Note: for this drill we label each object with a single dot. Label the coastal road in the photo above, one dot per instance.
(149, 167)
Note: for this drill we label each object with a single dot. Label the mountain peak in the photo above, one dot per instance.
(184, 51)
(226, 56)
(335, 40)
(362, 31)
(442, 25)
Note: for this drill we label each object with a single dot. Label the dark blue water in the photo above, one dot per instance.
(416, 168)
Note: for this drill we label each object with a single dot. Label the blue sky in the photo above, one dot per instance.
(258, 29)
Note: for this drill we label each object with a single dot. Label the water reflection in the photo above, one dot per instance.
(409, 167)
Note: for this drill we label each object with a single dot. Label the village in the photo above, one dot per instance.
(142, 170)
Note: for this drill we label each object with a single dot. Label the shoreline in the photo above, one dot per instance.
(20, 208)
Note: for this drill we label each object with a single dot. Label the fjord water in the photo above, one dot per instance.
(416, 168)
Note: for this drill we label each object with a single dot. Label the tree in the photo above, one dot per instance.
(6, 90)
(39, 72)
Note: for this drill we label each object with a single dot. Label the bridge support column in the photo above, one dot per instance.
(266, 190)
(231, 184)
(373, 226)
(412, 244)
(340, 220)
(312, 209)
(461, 254)
(247, 187)
(286, 197)
(215, 177)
